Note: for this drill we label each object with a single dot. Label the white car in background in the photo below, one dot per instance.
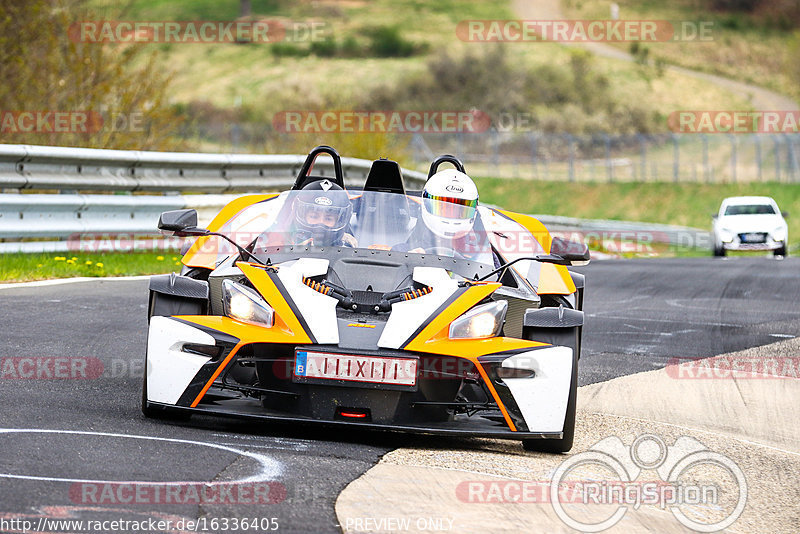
(749, 223)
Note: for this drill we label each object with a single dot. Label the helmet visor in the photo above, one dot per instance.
(333, 217)
(450, 207)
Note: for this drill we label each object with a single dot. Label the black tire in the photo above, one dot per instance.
(780, 251)
(565, 443)
(719, 252)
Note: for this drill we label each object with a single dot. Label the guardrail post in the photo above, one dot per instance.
(792, 156)
(534, 154)
(609, 163)
(676, 158)
(706, 170)
(757, 139)
(571, 157)
(643, 156)
(732, 139)
(777, 142)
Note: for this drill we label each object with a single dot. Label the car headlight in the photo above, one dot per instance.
(243, 304)
(726, 234)
(481, 321)
(779, 233)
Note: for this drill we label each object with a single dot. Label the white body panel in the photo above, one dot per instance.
(169, 369)
(318, 310)
(542, 398)
(407, 316)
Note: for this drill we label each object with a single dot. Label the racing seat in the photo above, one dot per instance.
(385, 176)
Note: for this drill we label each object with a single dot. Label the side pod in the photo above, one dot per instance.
(557, 326)
(172, 294)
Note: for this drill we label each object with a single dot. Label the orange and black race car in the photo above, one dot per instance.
(332, 306)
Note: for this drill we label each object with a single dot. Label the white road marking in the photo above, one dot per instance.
(783, 335)
(270, 468)
(59, 281)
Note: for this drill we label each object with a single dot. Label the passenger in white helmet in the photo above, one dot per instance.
(448, 214)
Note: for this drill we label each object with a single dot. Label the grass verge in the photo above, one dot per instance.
(28, 267)
(684, 204)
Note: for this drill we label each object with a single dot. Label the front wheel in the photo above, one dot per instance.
(780, 251)
(719, 251)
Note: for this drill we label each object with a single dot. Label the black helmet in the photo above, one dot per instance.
(322, 210)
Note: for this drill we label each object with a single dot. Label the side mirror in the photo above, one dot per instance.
(570, 251)
(785, 214)
(715, 215)
(180, 223)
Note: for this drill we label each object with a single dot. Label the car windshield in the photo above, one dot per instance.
(750, 209)
(360, 219)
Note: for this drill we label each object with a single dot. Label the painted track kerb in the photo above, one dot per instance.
(270, 469)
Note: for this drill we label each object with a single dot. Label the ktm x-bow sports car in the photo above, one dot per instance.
(377, 321)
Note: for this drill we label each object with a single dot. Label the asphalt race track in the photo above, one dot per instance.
(639, 315)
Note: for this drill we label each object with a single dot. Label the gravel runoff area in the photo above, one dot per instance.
(429, 483)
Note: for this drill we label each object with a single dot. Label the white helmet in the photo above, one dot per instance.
(449, 203)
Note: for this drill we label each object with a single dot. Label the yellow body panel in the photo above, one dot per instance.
(539, 231)
(196, 256)
(555, 280)
(286, 327)
(435, 339)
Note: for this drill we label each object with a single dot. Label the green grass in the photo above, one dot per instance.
(666, 203)
(251, 83)
(26, 267)
(745, 47)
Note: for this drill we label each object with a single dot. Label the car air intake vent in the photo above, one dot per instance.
(367, 298)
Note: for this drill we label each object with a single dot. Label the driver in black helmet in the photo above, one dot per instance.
(322, 212)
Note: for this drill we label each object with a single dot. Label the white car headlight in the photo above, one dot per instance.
(481, 321)
(726, 234)
(779, 233)
(243, 304)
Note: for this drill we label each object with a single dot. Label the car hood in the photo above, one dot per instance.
(750, 223)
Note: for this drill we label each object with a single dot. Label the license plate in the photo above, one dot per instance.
(752, 238)
(353, 368)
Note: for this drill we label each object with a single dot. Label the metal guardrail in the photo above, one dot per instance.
(89, 169)
(64, 216)
(622, 231)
